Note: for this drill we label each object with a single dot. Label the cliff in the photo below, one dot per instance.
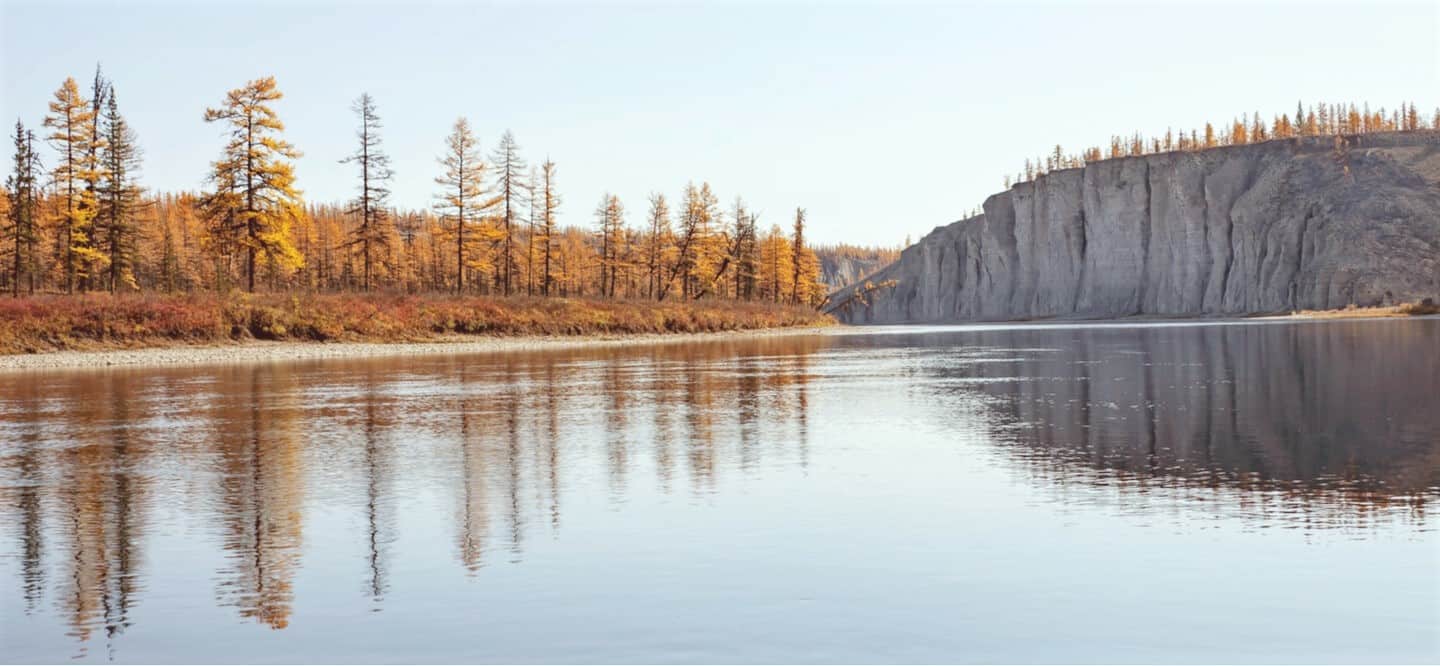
(843, 265)
(1276, 226)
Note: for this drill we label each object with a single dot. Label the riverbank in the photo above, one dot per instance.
(264, 351)
(102, 323)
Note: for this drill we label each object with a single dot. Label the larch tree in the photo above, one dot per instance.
(746, 252)
(95, 171)
(610, 214)
(255, 202)
(532, 182)
(704, 249)
(369, 208)
(550, 205)
(657, 242)
(73, 123)
(510, 195)
(775, 260)
(690, 231)
(797, 247)
(120, 196)
(460, 202)
(23, 190)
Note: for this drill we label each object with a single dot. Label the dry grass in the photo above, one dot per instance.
(102, 321)
(1425, 307)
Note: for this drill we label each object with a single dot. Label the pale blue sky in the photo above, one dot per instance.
(881, 119)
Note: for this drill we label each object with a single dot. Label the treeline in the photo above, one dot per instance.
(77, 220)
(1314, 120)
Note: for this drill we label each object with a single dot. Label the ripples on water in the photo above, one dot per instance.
(891, 494)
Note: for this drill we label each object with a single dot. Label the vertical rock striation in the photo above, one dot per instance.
(1277, 226)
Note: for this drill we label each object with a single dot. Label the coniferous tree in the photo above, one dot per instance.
(23, 190)
(509, 193)
(370, 206)
(610, 215)
(460, 201)
(797, 246)
(255, 203)
(532, 183)
(119, 196)
(657, 242)
(73, 124)
(95, 166)
(745, 252)
(549, 206)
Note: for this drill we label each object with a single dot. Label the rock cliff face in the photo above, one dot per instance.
(1270, 227)
(838, 269)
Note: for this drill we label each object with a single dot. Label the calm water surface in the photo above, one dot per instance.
(1213, 492)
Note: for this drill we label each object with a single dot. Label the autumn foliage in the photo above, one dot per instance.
(104, 321)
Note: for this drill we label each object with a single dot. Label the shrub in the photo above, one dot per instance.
(96, 321)
(1425, 307)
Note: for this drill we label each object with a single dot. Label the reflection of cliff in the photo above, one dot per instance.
(1323, 411)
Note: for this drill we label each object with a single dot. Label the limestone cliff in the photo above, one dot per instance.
(1276, 226)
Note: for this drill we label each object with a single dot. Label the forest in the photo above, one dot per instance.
(79, 219)
(1339, 120)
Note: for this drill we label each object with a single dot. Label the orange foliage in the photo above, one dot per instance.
(100, 321)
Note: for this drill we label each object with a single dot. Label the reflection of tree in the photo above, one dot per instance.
(377, 468)
(747, 407)
(260, 491)
(102, 495)
(474, 508)
(519, 430)
(28, 498)
(699, 423)
(617, 453)
(512, 462)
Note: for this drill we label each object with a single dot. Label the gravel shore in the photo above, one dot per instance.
(257, 351)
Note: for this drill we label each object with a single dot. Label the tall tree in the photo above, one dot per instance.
(73, 123)
(460, 202)
(370, 204)
(95, 165)
(548, 208)
(657, 241)
(746, 252)
(610, 214)
(255, 202)
(532, 183)
(797, 246)
(23, 189)
(510, 194)
(119, 196)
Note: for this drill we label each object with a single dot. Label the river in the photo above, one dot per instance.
(1187, 491)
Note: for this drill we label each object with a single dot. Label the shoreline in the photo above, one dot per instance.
(261, 351)
(257, 351)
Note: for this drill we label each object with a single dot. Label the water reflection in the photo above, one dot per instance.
(1336, 418)
(1321, 426)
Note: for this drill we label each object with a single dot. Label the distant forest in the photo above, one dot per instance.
(1315, 120)
(79, 219)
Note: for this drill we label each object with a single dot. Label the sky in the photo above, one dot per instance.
(882, 120)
